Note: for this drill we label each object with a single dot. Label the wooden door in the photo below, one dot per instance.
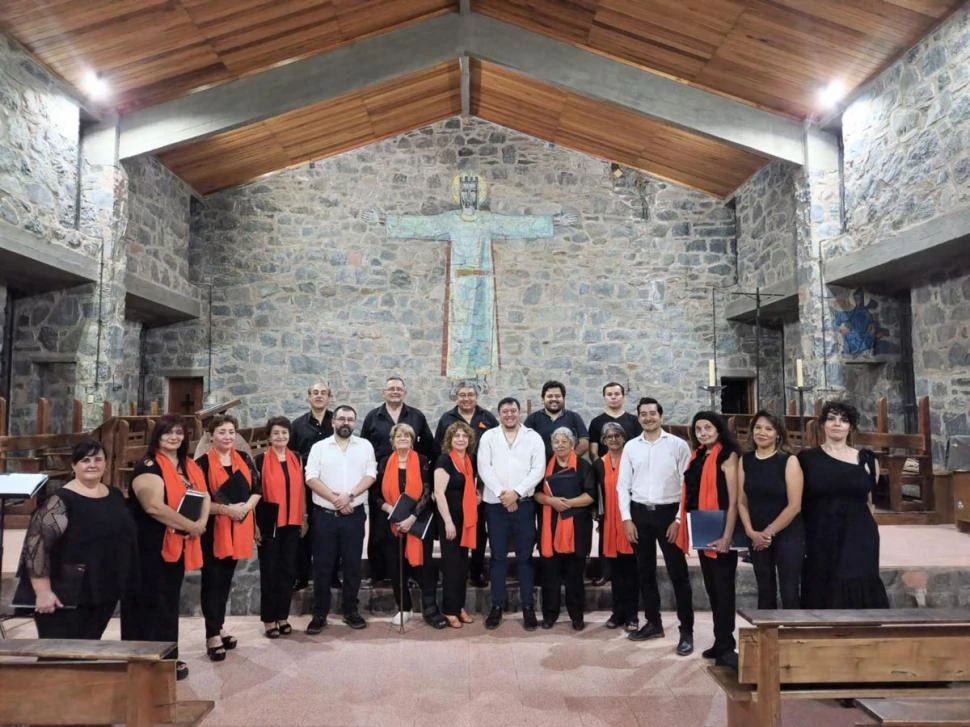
(184, 395)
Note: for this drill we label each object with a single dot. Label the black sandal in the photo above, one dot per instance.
(272, 633)
(284, 627)
(216, 653)
(181, 671)
(229, 642)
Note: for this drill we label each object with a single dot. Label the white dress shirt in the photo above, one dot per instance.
(651, 473)
(518, 466)
(340, 469)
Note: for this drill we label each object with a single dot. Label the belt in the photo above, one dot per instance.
(651, 506)
(336, 513)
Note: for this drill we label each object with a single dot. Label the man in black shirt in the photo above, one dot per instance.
(377, 430)
(553, 415)
(305, 431)
(480, 420)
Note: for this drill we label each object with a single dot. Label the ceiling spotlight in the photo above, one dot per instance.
(831, 94)
(94, 86)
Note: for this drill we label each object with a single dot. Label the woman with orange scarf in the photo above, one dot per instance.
(168, 543)
(711, 483)
(565, 497)
(616, 547)
(231, 533)
(404, 471)
(281, 476)
(457, 500)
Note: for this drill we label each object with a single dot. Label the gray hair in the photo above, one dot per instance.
(611, 427)
(564, 432)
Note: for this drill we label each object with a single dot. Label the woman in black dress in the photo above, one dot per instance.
(841, 568)
(168, 543)
(231, 533)
(281, 475)
(404, 471)
(84, 524)
(564, 541)
(457, 501)
(769, 503)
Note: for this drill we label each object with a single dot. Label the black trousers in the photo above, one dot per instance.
(277, 568)
(559, 569)
(780, 564)
(652, 530)
(623, 585)
(377, 565)
(476, 559)
(152, 612)
(334, 535)
(426, 575)
(719, 578)
(217, 576)
(454, 573)
(87, 621)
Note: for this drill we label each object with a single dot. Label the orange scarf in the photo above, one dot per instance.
(706, 499)
(413, 488)
(614, 537)
(469, 501)
(274, 486)
(230, 539)
(565, 540)
(173, 543)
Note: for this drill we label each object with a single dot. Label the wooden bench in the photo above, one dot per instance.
(844, 654)
(917, 712)
(92, 682)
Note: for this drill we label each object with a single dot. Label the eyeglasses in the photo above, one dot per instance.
(348, 420)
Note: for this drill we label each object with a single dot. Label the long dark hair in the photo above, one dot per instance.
(727, 441)
(163, 425)
(777, 422)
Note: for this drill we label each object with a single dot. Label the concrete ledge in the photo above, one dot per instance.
(779, 302)
(155, 305)
(30, 265)
(894, 264)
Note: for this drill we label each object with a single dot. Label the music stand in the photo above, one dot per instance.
(15, 486)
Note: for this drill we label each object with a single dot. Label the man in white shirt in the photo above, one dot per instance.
(648, 488)
(339, 470)
(511, 462)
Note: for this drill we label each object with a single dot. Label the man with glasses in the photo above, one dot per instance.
(306, 430)
(480, 420)
(377, 430)
(339, 472)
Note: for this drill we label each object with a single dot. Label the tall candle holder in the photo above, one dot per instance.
(801, 408)
(713, 390)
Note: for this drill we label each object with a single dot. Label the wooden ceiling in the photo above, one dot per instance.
(769, 54)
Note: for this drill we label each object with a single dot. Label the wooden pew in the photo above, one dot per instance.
(837, 654)
(917, 712)
(92, 682)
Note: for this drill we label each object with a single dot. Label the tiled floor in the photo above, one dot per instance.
(505, 678)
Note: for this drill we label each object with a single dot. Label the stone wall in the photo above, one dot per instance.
(625, 294)
(766, 226)
(157, 235)
(907, 139)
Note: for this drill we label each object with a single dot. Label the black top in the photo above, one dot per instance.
(765, 488)
(255, 486)
(305, 431)
(151, 532)
(70, 528)
(545, 426)
(582, 516)
(482, 421)
(455, 489)
(377, 430)
(599, 477)
(629, 422)
(401, 481)
(692, 480)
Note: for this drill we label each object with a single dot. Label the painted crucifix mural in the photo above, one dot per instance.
(471, 340)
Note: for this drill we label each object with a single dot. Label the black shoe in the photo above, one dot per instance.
(727, 658)
(578, 623)
(494, 618)
(548, 623)
(478, 581)
(650, 631)
(300, 584)
(316, 625)
(434, 618)
(181, 671)
(614, 621)
(354, 620)
(601, 581)
(685, 647)
(709, 653)
(529, 620)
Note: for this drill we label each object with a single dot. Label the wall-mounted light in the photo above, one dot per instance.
(95, 86)
(831, 94)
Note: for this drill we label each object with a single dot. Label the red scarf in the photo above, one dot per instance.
(614, 537)
(565, 540)
(413, 488)
(230, 539)
(274, 486)
(469, 500)
(707, 497)
(173, 543)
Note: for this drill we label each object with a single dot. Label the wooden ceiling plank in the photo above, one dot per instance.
(706, 24)
(359, 19)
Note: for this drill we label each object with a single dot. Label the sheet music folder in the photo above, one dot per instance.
(21, 484)
(706, 526)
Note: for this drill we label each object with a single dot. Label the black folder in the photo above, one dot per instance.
(402, 508)
(706, 526)
(565, 483)
(66, 585)
(190, 507)
(266, 517)
(234, 490)
(422, 525)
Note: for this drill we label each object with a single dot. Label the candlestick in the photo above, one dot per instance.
(711, 373)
